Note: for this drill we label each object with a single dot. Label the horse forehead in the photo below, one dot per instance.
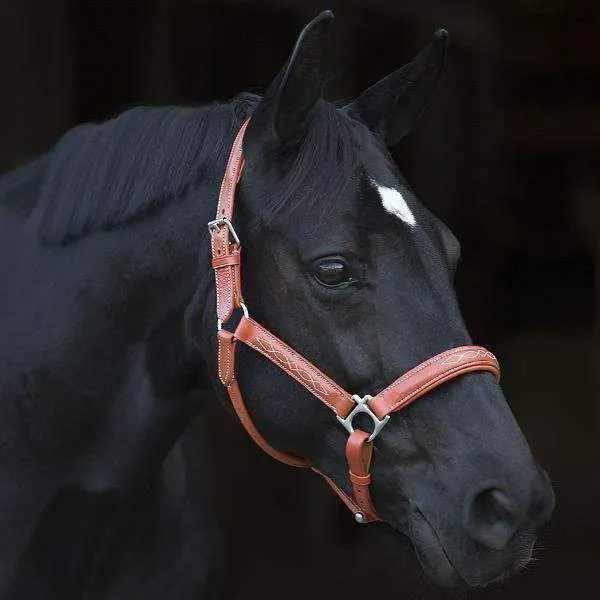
(394, 202)
(381, 178)
(391, 195)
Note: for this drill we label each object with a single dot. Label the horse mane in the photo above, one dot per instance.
(20, 188)
(99, 176)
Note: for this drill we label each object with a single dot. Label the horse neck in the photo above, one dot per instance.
(20, 189)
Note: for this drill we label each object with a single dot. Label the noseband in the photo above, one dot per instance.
(226, 262)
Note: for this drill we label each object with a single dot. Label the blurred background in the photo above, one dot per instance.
(508, 154)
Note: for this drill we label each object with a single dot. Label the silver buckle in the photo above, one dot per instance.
(362, 406)
(214, 226)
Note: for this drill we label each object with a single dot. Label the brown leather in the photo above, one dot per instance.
(233, 172)
(228, 278)
(226, 261)
(226, 356)
(359, 456)
(237, 401)
(359, 452)
(431, 374)
(296, 366)
(347, 500)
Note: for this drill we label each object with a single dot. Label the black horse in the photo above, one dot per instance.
(107, 321)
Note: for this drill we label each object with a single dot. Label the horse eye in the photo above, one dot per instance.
(333, 273)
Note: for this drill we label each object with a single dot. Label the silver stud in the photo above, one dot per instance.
(359, 517)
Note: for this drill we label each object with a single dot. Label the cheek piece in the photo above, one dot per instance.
(226, 262)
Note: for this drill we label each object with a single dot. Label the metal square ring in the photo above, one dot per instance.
(362, 406)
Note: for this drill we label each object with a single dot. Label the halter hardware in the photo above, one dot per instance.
(245, 312)
(226, 262)
(214, 226)
(362, 406)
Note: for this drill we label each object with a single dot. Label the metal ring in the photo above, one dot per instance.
(244, 310)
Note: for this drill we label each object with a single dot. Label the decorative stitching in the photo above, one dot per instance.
(305, 362)
(427, 384)
(220, 283)
(468, 354)
(295, 373)
(232, 174)
(219, 359)
(223, 289)
(279, 357)
(424, 365)
(227, 353)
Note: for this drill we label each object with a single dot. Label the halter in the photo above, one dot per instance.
(226, 262)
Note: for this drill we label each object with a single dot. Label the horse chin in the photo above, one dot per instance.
(432, 556)
(436, 563)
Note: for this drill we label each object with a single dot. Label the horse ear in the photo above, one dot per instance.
(284, 109)
(391, 107)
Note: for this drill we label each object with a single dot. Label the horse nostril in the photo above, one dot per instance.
(492, 518)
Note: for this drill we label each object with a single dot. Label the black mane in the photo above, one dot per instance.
(99, 176)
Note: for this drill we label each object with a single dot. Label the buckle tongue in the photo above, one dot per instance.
(362, 406)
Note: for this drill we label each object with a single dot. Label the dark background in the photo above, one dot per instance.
(508, 154)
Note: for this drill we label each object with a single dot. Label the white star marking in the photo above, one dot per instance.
(395, 204)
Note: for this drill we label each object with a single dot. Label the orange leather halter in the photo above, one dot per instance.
(226, 262)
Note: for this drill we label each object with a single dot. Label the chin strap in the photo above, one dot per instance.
(226, 262)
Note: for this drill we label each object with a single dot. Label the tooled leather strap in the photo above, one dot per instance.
(315, 381)
(402, 392)
(431, 374)
(359, 453)
(358, 460)
(226, 357)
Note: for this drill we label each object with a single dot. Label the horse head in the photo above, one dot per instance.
(345, 264)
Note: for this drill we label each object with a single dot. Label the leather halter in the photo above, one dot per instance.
(226, 262)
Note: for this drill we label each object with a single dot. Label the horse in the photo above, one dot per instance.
(108, 348)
